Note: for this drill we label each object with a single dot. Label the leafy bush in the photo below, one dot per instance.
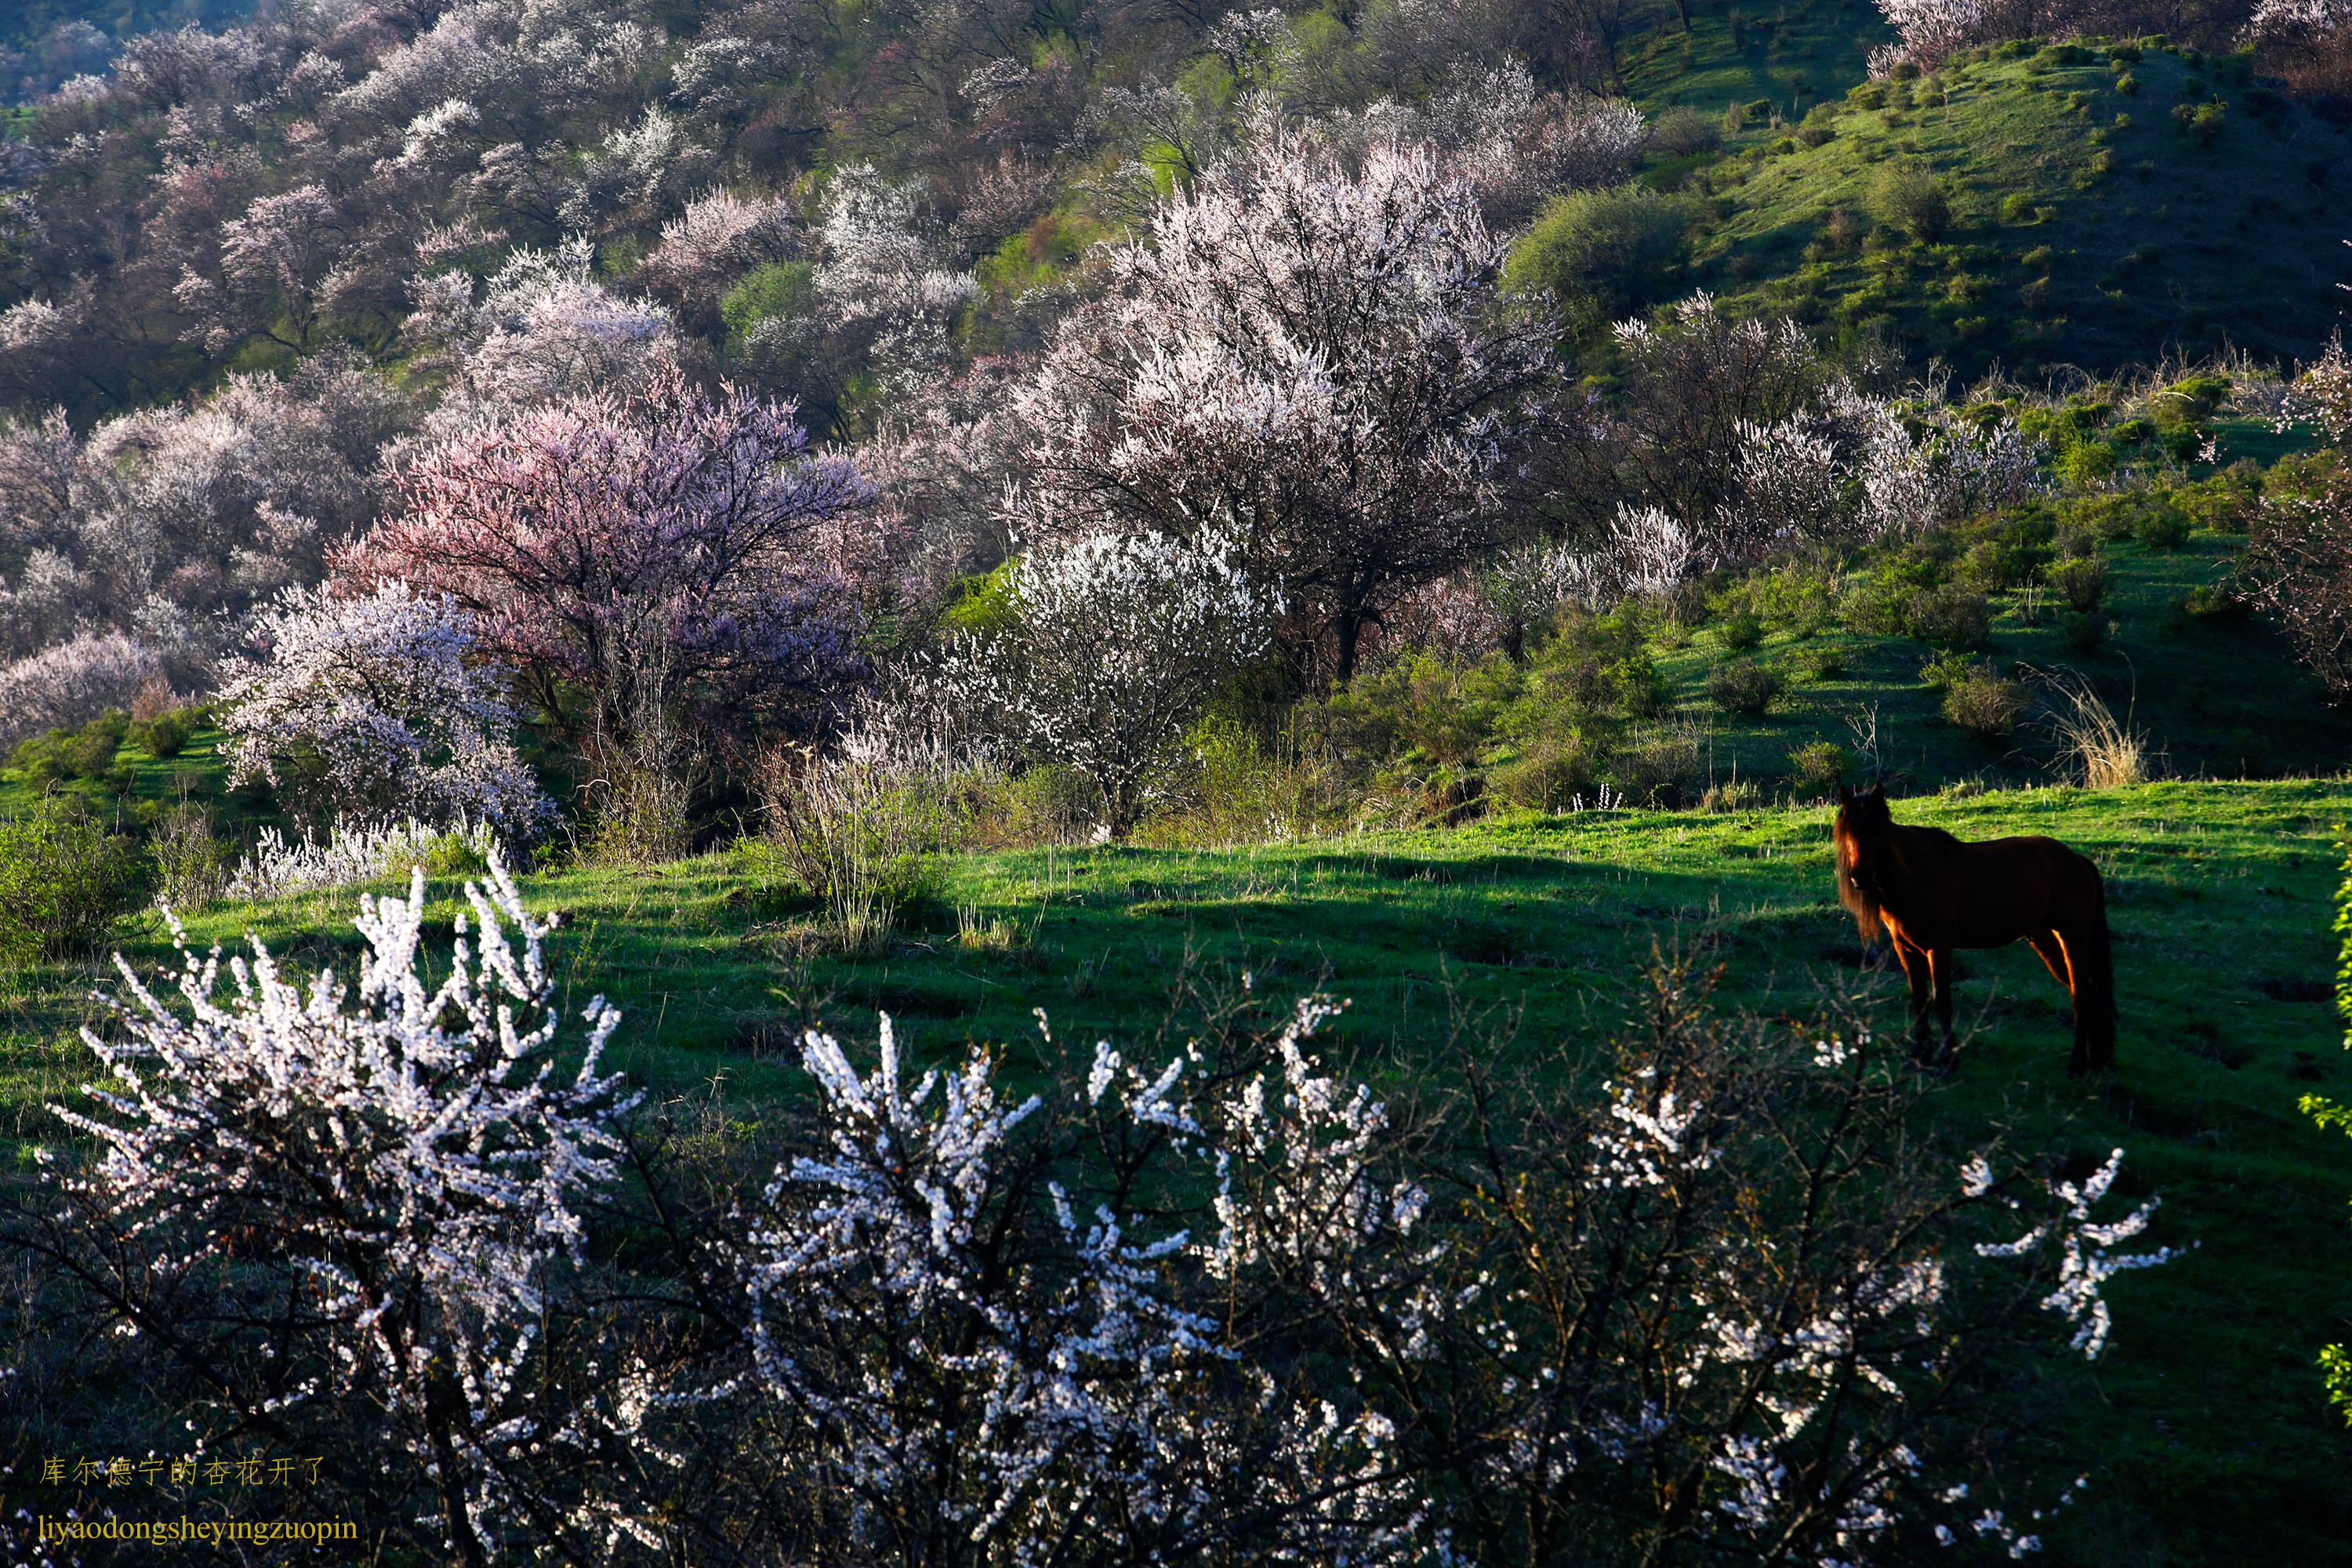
(1661, 766)
(1744, 686)
(1740, 631)
(2215, 604)
(2083, 631)
(2162, 528)
(1953, 615)
(1738, 794)
(1686, 132)
(1424, 709)
(1912, 199)
(64, 880)
(164, 736)
(1997, 565)
(192, 865)
(1602, 254)
(2081, 581)
(2201, 124)
(1880, 606)
(1985, 704)
(1051, 803)
(1826, 662)
(1818, 767)
(1554, 771)
(61, 754)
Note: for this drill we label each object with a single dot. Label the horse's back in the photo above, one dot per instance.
(1995, 890)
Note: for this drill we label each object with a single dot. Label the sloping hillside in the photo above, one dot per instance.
(2107, 205)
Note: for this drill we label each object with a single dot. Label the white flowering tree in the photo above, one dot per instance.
(375, 708)
(344, 1199)
(1114, 643)
(1310, 357)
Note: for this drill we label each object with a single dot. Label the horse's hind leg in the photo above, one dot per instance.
(2090, 964)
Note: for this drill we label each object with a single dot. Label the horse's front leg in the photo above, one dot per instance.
(1940, 961)
(1918, 969)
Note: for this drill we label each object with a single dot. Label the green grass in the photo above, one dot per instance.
(2219, 698)
(1794, 56)
(2241, 247)
(2204, 1428)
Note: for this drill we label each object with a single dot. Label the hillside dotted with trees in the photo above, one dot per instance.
(991, 785)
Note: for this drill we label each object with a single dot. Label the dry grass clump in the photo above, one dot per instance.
(2105, 751)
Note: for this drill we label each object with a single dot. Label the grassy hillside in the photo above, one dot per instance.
(2217, 695)
(2089, 225)
(1792, 56)
(2202, 1429)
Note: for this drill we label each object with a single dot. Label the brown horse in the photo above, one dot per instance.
(1933, 893)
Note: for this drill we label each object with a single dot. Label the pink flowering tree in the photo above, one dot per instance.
(374, 709)
(1310, 358)
(643, 562)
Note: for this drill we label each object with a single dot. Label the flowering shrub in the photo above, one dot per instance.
(1114, 643)
(1151, 1308)
(350, 853)
(367, 710)
(370, 1201)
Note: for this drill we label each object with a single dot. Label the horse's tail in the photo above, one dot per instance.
(2095, 1000)
(1866, 921)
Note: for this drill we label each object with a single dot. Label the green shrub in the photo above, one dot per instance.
(2201, 124)
(2162, 528)
(1945, 670)
(2215, 604)
(1552, 772)
(1954, 614)
(2127, 84)
(2081, 581)
(192, 865)
(1995, 566)
(1985, 704)
(2017, 208)
(1686, 132)
(1423, 708)
(1740, 631)
(1602, 254)
(775, 289)
(2084, 631)
(1880, 606)
(1910, 198)
(1818, 767)
(64, 882)
(1824, 662)
(1052, 804)
(88, 753)
(164, 736)
(1744, 686)
(1641, 689)
(1660, 766)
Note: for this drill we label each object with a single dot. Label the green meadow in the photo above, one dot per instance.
(2203, 1428)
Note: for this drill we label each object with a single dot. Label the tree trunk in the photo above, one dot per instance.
(1350, 627)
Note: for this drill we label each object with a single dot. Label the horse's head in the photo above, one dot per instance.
(1863, 835)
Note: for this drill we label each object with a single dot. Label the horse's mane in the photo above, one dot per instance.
(1866, 922)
